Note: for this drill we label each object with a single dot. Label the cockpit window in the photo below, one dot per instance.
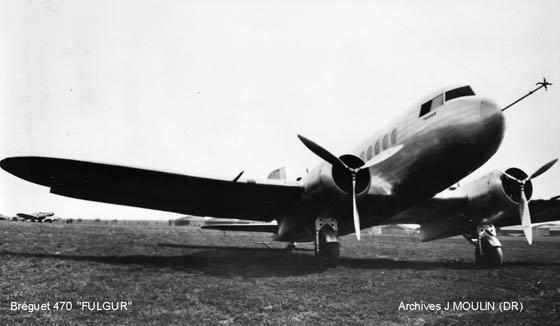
(449, 95)
(459, 92)
(437, 102)
(431, 105)
(425, 108)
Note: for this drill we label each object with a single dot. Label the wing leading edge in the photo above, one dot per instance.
(114, 184)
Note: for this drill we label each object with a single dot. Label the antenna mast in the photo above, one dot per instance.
(542, 84)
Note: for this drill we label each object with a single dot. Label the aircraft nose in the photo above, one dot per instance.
(492, 117)
(492, 127)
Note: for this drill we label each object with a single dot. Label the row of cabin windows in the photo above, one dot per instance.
(449, 95)
(379, 146)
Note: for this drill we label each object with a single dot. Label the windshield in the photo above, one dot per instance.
(459, 92)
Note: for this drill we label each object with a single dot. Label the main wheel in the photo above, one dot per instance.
(478, 257)
(490, 257)
(330, 253)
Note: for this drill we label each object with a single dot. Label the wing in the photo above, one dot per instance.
(542, 210)
(438, 217)
(26, 216)
(261, 201)
(446, 217)
(260, 227)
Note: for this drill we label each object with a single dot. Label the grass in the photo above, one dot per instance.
(181, 276)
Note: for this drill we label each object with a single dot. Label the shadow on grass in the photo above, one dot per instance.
(384, 263)
(176, 245)
(256, 262)
(244, 262)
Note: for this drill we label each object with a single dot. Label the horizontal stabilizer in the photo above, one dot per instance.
(247, 227)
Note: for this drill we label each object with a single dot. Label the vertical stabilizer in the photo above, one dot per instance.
(279, 174)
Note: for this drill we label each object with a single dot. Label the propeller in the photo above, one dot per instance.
(524, 212)
(335, 161)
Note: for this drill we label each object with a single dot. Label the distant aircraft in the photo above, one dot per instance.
(397, 176)
(37, 217)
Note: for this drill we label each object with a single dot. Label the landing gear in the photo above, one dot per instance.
(327, 247)
(488, 249)
(291, 246)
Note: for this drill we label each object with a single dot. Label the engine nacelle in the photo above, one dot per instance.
(496, 194)
(327, 180)
(490, 198)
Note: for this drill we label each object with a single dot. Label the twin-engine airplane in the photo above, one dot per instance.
(393, 177)
(37, 217)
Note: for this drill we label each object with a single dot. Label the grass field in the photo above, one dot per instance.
(186, 276)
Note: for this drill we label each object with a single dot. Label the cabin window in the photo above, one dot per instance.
(377, 150)
(369, 153)
(385, 141)
(394, 136)
(459, 92)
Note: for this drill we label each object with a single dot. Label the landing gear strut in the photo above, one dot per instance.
(327, 247)
(488, 249)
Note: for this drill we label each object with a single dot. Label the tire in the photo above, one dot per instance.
(478, 257)
(495, 257)
(330, 254)
(491, 257)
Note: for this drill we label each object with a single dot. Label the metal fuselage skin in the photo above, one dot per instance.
(439, 149)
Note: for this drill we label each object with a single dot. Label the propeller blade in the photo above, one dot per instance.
(543, 169)
(510, 176)
(355, 208)
(381, 157)
(525, 217)
(322, 153)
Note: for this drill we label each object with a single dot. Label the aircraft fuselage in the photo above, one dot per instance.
(441, 145)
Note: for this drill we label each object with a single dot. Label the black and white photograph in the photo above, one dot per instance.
(279, 162)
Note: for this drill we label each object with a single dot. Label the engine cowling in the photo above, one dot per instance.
(331, 180)
(495, 194)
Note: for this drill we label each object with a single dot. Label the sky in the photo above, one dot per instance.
(211, 88)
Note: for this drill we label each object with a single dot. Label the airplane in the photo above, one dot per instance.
(396, 176)
(37, 217)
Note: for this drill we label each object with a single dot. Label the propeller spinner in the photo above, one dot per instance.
(335, 161)
(524, 212)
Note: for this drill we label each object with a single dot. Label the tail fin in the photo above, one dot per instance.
(279, 174)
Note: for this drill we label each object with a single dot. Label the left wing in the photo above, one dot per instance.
(114, 184)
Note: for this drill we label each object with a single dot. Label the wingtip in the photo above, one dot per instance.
(26, 168)
(5, 163)
(10, 163)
